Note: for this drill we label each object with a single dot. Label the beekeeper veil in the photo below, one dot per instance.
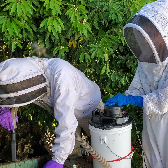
(147, 33)
(21, 82)
(147, 37)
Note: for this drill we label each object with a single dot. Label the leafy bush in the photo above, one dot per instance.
(87, 33)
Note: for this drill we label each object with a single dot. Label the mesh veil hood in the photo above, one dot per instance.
(21, 82)
(147, 33)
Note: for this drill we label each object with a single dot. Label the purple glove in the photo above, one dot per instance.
(53, 164)
(6, 120)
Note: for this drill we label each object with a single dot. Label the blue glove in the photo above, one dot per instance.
(53, 164)
(122, 100)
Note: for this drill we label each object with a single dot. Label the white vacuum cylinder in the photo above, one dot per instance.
(113, 144)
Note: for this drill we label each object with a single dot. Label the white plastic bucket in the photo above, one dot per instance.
(112, 145)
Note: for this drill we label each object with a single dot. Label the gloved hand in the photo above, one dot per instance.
(6, 120)
(121, 100)
(53, 164)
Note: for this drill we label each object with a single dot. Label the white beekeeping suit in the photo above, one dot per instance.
(147, 36)
(55, 85)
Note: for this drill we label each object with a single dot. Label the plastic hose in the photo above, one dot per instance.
(13, 143)
(92, 151)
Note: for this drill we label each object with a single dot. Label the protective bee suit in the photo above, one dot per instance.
(147, 36)
(55, 85)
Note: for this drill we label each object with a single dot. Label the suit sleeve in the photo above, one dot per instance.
(156, 102)
(64, 96)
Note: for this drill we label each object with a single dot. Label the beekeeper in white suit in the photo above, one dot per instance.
(147, 36)
(55, 85)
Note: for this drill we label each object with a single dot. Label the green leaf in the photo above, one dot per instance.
(36, 3)
(59, 2)
(49, 28)
(8, 7)
(87, 57)
(123, 80)
(18, 22)
(80, 27)
(69, 12)
(24, 8)
(59, 28)
(50, 20)
(24, 34)
(44, 22)
(29, 4)
(65, 49)
(33, 27)
(103, 69)
(13, 46)
(55, 50)
(4, 25)
(113, 77)
(77, 15)
(2, 20)
(82, 8)
(11, 1)
(54, 12)
(106, 57)
(73, 17)
(19, 9)
(28, 28)
(93, 53)
(85, 33)
(81, 58)
(100, 53)
(101, 32)
(18, 44)
(47, 36)
(55, 25)
(46, 2)
(41, 10)
(88, 27)
(57, 7)
(10, 29)
(4, 4)
(16, 28)
(60, 22)
(107, 69)
(47, 5)
(123, 40)
(54, 32)
(52, 4)
(13, 9)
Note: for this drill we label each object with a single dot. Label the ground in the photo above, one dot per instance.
(31, 143)
(79, 161)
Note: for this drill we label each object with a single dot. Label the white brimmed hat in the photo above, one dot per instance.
(21, 82)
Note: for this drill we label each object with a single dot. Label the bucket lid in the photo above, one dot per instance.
(113, 116)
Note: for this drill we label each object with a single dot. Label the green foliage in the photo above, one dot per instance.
(35, 113)
(87, 33)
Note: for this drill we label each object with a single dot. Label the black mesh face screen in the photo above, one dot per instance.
(140, 46)
(24, 98)
(28, 83)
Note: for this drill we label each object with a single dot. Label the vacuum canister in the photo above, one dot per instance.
(111, 136)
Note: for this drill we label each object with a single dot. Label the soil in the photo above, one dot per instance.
(79, 161)
(31, 143)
